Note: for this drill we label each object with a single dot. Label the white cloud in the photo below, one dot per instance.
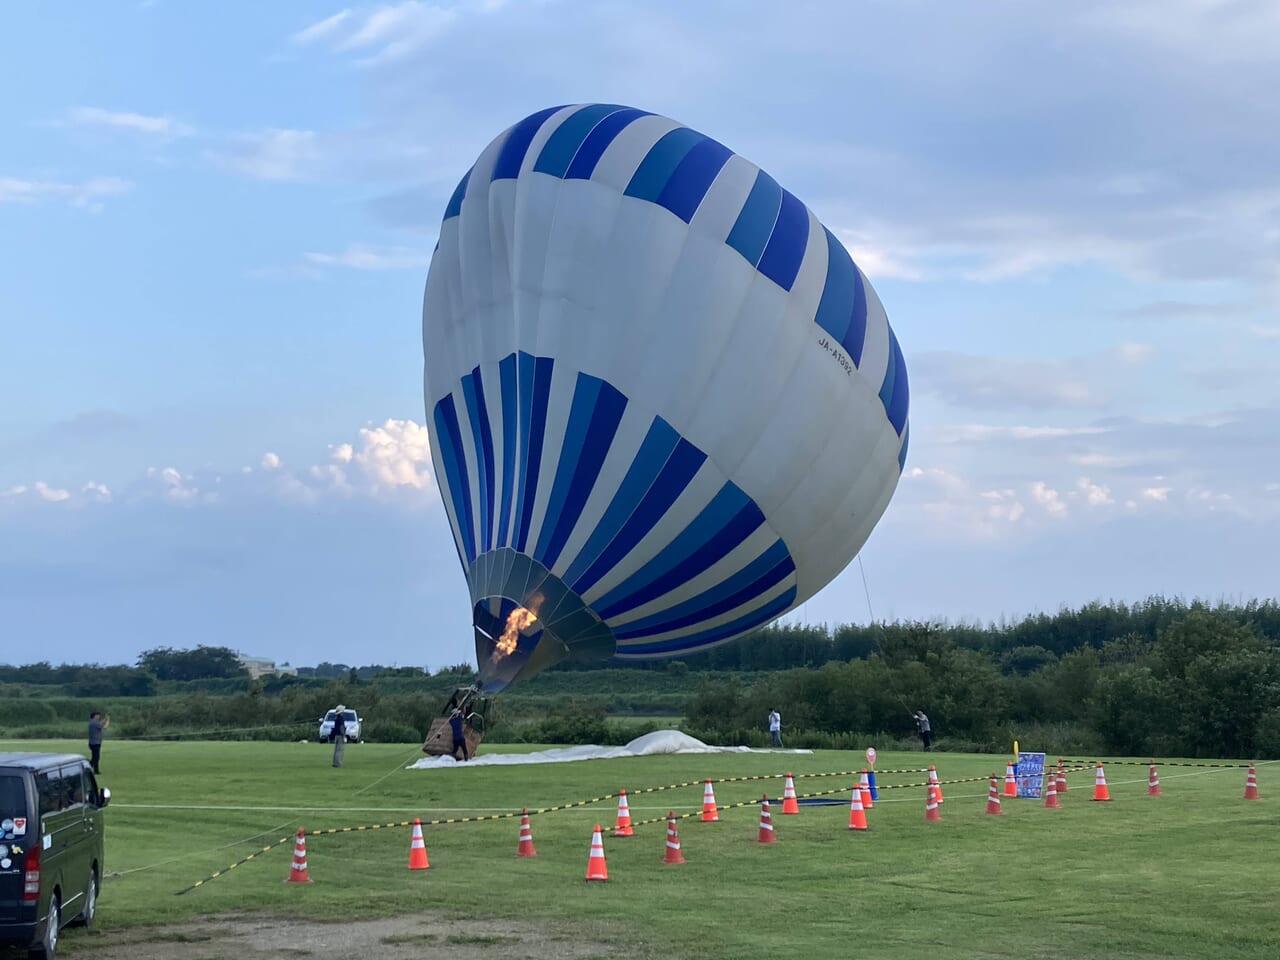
(151, 125)
(172, 485)
(361, 257)
(1160, 494)
(1132, 353)
(277, 154)
(96, 492)
(388, 32)
(322, 29)
(969, 432)
(395, 455)
(1048, 498)
(1095, 494)
(87, 194)
(270, 461)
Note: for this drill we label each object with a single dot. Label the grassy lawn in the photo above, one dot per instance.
(1192, 873)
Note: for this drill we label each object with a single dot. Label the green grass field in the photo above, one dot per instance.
(1190, 874)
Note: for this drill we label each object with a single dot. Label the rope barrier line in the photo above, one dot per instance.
(1077, 767)
(243, 860)
(1166, 763)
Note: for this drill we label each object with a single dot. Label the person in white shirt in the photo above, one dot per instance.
(775, 727)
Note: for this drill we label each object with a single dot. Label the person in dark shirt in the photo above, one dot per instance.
(339, 734)
(459, 736)
(97, 723)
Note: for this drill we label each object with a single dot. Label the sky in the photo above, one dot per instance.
(216, 222)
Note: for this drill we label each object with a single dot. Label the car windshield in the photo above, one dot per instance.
(349, 716)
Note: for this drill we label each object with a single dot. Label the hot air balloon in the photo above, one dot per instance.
(665, 405)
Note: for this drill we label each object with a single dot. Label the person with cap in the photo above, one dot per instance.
(775, 727)
(339, 734)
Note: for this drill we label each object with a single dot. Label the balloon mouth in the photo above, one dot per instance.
(526, 619)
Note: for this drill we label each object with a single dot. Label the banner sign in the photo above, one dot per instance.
(1029, 774)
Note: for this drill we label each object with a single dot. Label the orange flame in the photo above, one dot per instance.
(517, 620)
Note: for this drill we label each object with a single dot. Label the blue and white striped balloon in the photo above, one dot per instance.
(665, 405)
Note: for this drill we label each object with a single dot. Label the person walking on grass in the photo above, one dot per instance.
(775, 727)
(339, 734)
(97, 723)
(926, 732)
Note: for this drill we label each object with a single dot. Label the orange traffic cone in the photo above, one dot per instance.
(993, 798)
(622, 828)
(1153, 781)
(1100, 791)
(789, 802)
(766, 822)
(864, 787)
(596, 867)
(525, 849)
(1010, 784)
(417, 848)
(709, 812)
(933, 782)
(1051, 792)
(1062, 777)
(931, 811)
(298, 872)
(1251, 785)
(857, 813)
(673, 854)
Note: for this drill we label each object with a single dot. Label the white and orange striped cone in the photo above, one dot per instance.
(1153, 781)
(1010, 784)
(1062, 777)
(622, 826)
(789, 802)
(673, 854)
(417, 848)
(1051, 792)
(765, 834)
(933, 782)
(1100, 791)
(993, 798)
(596, 867)
(864, 787)
(710, 814)
(298, 871)
(931, 811)
(857, 814)
(525, 849)
(1251, 784)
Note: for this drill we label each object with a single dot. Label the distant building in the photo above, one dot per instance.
(261, 667)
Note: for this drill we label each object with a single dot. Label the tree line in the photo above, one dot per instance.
(1161, 677)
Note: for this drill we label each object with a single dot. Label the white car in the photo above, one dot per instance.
(351, 724)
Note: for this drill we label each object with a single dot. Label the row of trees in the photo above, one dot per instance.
(1205, 684)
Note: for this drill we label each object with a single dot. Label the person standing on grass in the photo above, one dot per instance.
(97, 723)
(775, 727)
(926, 732)
(459, 735)
(339, 734)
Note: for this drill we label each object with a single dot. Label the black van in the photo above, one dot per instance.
(51, 830)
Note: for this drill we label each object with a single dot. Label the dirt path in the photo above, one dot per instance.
(414, 937)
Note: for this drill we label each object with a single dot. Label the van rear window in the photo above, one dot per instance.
(13, 797)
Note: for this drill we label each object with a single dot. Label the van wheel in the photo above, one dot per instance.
(48, 946)
(90, 900)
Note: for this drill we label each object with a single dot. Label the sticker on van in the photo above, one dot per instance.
(11, 827)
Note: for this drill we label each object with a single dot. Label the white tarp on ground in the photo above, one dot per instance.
(660, 741)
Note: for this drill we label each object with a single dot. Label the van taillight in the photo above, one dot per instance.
(31, 875)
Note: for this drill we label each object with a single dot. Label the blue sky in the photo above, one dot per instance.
(216, 220)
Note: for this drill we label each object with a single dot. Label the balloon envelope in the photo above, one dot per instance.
(666, 407)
